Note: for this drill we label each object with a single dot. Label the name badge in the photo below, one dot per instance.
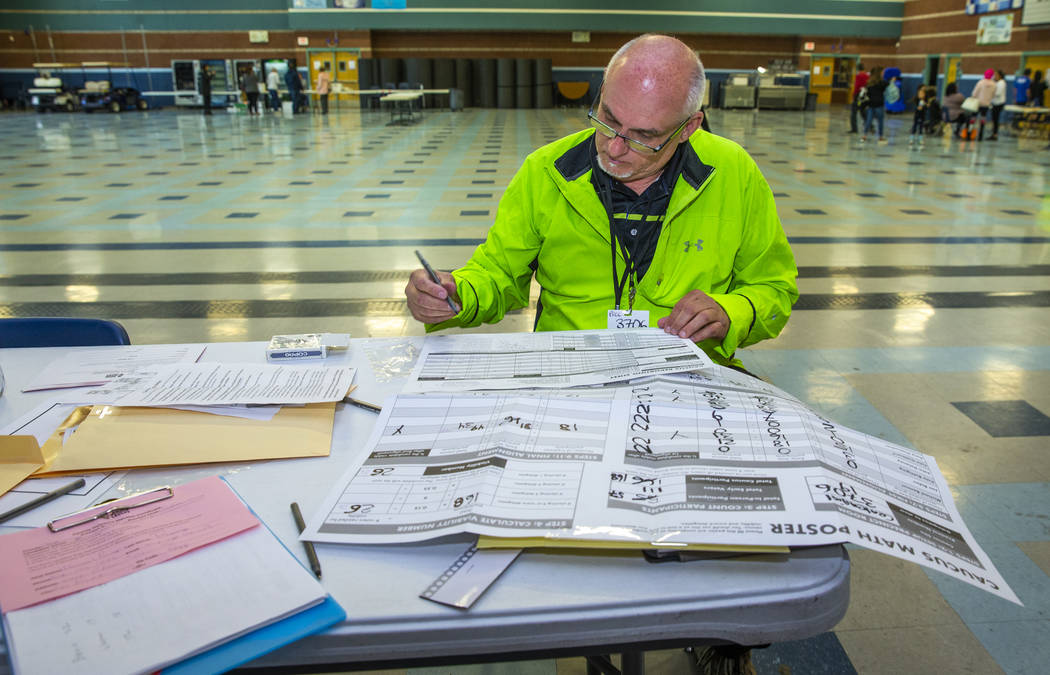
(621, 318)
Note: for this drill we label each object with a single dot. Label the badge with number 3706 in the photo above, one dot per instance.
(622, 318)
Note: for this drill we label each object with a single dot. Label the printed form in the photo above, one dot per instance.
(95, 366)
(713, 457)
(209, 384)
(556, 359)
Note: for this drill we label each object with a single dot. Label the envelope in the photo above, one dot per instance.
(19, 457)
(109, 437)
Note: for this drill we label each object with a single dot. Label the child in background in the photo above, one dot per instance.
(918, 122)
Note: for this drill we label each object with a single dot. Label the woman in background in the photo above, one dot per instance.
(984, 91)
(324, 82)
(876, 104)
(952, 103)
(998, 101)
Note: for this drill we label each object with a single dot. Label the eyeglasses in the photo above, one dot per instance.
(639, 147)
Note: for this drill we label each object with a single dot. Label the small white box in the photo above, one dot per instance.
(305, 346)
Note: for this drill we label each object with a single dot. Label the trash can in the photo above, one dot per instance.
(811, 101)
(455, 100)
(286, 108)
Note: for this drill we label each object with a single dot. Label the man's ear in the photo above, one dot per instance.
(691, 126)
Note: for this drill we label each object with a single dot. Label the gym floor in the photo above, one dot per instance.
(922, 318)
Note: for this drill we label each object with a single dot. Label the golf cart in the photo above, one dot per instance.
(48, 92)
(102, 95)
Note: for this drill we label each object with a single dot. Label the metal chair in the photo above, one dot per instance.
(61, 332)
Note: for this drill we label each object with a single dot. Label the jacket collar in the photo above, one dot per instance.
(576, 162)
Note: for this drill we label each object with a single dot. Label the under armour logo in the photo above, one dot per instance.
(699, 245)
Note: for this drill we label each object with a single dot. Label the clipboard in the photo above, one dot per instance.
(250, 630)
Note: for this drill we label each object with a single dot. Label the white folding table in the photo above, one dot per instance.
(544, 605)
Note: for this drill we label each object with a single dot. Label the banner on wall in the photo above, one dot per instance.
(310, 4)
(986, 6)
(1036, 11)
(995, 30)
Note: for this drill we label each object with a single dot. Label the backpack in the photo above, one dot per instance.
(862, 98)
(893, 93)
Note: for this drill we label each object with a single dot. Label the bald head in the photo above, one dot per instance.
(661, 66)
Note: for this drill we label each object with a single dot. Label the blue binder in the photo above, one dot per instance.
(264, 640)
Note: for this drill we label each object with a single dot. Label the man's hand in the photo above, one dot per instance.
(696, 317)
(428, 301)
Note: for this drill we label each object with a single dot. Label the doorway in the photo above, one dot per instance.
(831, 77)
(932, 70)
(1038, 62)
(953, 68)
(342, 66)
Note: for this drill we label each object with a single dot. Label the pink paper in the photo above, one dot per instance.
(40, 565)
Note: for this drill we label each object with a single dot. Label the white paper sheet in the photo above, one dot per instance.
(709, 458)
(209, 384)
(557, 359)
(95, 366)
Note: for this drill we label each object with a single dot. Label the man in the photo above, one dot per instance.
(295, 86)
(1021, 84)
(250, 86)
(698, 248)
(273, 82)
(205, 87)
(860, 80)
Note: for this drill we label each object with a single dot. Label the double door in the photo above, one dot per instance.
(831, 78)
(342, 68)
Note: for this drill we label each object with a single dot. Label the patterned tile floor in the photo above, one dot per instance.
(923, 316)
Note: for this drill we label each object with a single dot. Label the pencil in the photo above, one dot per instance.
(42, 499)
(363, 404)
(437, 280)
(311, 554)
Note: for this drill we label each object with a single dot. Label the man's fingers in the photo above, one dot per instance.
(701, 327)
(427, 301)
(696, 317)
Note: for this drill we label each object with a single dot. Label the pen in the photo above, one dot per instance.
(436, 280)
(363, 404)
(42, 499)
(311, 554)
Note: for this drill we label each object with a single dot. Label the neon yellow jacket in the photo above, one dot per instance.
(721, 235)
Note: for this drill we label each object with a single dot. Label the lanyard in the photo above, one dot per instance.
(629, 278)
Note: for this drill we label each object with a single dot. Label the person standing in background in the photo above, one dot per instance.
(250, 85)
(860, 80)
(295, 87)
(1021, 84)
(952, 103)
(876, 104)
(205, 87)
(984, 91)
(273, 82)
(1038, 89)
(918, 123)
(324, 83)
(998, 101)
